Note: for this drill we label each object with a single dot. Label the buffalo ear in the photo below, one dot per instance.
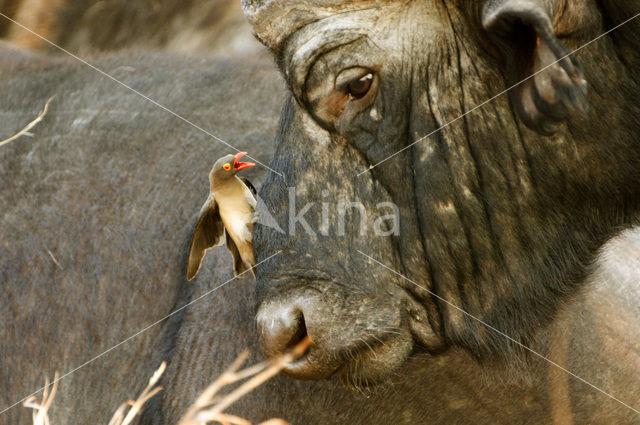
(556, 89)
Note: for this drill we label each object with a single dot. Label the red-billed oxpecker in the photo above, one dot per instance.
(229, 209)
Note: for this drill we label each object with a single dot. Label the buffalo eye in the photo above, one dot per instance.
(355, 83)
(358, 88)
(354, 90)
(336, 99)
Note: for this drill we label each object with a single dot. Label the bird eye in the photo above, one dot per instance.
(226, 166)
(358, 88)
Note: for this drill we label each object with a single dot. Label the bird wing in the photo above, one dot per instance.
(239, 265)
(248, 183)
(207, 233)
(251, 194)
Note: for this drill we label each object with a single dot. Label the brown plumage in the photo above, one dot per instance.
(229, 210)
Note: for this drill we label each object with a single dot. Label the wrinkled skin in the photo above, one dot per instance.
(502, 212)
(497, 218)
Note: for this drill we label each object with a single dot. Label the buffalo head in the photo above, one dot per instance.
(502, 205)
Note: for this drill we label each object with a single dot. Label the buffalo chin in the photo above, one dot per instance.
(369, 361)
(374, 364)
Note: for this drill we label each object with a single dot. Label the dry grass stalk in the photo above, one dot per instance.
(119, 417)
(30, 125)
(40, 409)
(209, 407)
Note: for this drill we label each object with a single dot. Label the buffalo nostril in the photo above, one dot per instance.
(280, 328)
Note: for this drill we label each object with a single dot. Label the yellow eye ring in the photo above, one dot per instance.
(226, 166)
